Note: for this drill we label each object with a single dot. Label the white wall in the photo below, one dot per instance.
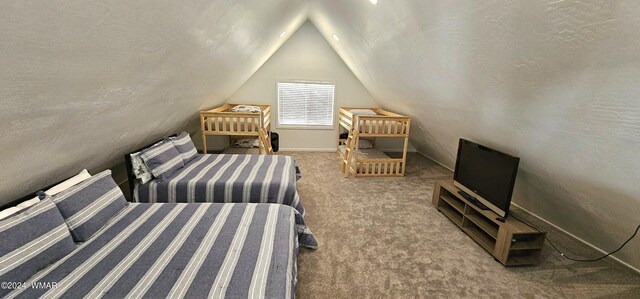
(81, 84)
(306, 55)
(554, 82)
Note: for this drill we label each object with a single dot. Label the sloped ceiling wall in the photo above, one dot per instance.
(554, 82)
(305, 56)
(82, 83)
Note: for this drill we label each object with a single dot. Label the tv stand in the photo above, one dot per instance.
(473, 200)
(510, 241)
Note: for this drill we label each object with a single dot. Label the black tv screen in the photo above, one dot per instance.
(486, 174)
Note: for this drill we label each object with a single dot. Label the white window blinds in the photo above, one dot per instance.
(305, 104)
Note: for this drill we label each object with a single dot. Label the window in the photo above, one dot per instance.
(305, 104)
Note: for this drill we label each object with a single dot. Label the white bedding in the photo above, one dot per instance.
(362, 112)
(246, 108)
(366, 153)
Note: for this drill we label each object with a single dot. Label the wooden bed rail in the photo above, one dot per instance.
(221, 121)
(265, 142)
(385, 124)
(382, 124)
(231, 123)
(217, 122)
(379, 111)
(378, 167)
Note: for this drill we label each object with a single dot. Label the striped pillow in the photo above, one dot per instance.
(162, 159)
(185, 147)
(88, 206)
(31, 240)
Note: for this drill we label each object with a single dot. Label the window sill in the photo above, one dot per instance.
(303, 127)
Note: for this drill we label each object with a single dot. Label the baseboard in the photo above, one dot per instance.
(300, 149)
(555, 226)
(333, 149)
(577, 238)
(434, 160)
(395, 150)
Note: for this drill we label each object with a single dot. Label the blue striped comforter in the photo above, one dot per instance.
(232, 178)
(180, 250)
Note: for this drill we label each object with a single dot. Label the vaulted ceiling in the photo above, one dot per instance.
(554, 82)
(84, 83)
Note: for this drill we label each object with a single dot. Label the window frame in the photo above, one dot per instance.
(306, 127)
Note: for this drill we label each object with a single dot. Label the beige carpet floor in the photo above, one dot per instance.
(382, 238)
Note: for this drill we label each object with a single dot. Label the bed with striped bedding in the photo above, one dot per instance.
(180, 250)
(232, 178)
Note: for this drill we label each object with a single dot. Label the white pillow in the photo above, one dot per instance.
(362, 112)
(140, 170)
(246, 108)
(247, 143)
(83, 175)
(23, 205)
(363, 143)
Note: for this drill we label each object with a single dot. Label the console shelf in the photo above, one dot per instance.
(512, 242)
(484, 225)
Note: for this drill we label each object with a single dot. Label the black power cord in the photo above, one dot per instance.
(575, 259)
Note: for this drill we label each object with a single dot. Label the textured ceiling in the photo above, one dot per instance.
(554, 82)
(81, 84)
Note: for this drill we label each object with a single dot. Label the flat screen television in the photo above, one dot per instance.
(486, 175)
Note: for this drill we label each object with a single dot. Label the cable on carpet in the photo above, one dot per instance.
(576, 259)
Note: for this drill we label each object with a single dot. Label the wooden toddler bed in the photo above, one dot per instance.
(371, 123)
(222, 121)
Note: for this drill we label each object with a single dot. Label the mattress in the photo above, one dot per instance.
(364, 112)
(366, 153)
(232, 178)
(180, 250)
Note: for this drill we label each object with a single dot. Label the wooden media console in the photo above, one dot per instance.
(512, 242)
